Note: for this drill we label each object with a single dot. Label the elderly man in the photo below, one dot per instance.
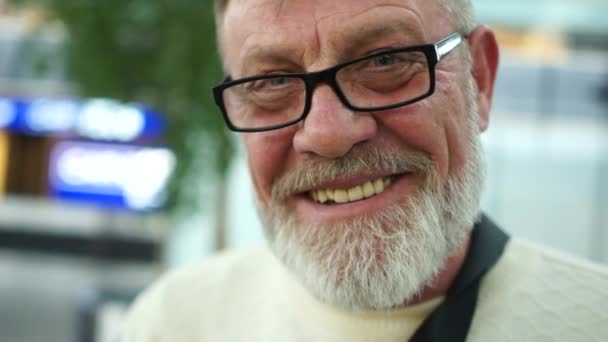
(361, 123)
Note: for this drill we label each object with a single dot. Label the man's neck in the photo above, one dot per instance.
(446, 276)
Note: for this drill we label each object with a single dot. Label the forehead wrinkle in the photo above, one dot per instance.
(268, 48)
(310, 51)
(237, 12)
(353, 35)
(322, 38)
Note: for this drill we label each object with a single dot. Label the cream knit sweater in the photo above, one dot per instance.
(532, 294)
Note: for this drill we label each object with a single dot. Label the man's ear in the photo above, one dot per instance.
(485, 55)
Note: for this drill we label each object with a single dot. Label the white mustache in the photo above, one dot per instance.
(362, 159)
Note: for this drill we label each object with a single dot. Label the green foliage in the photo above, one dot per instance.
(159, 52)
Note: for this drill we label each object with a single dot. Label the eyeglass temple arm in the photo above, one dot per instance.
(446, 45)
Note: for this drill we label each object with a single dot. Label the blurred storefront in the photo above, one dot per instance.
(81, 182)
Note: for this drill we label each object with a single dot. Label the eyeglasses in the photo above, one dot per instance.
(379, 81)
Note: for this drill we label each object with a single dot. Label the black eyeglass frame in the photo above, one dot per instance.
(433, 52)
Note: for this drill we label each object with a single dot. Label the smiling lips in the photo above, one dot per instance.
(356, 193)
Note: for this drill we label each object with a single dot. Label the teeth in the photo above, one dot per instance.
(378, 186)
(355, 194)
(359, 192)
(368, 189)
(340, 196)
(322, 196)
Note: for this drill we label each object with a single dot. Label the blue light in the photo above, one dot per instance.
(8, 113)
(127, 176)
(46, 116)
(95, 119)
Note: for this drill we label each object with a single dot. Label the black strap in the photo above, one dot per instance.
(452, 319)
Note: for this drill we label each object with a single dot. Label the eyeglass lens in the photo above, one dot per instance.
(385, 80)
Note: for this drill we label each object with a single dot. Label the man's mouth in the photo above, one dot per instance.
(353, 194)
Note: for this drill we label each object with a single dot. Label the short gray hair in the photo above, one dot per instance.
(460, 13)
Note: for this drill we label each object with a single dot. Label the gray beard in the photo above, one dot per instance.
(385, 260)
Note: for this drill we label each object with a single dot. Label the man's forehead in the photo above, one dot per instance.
(282, 23)
(313, 10)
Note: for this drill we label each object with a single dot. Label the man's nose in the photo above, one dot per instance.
(330, 130)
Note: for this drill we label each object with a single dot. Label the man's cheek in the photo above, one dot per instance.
(265, 163)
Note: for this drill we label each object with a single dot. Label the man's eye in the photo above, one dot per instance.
(279, 81)
(384, 60)
(270, 84)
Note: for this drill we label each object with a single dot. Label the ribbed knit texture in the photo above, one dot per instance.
(532, 294)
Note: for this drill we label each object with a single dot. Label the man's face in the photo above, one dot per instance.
(393, 175)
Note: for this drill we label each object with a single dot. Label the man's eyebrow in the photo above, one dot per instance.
(268, 55)
(361, 39)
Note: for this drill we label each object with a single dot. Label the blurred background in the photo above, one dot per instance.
(115, 166)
